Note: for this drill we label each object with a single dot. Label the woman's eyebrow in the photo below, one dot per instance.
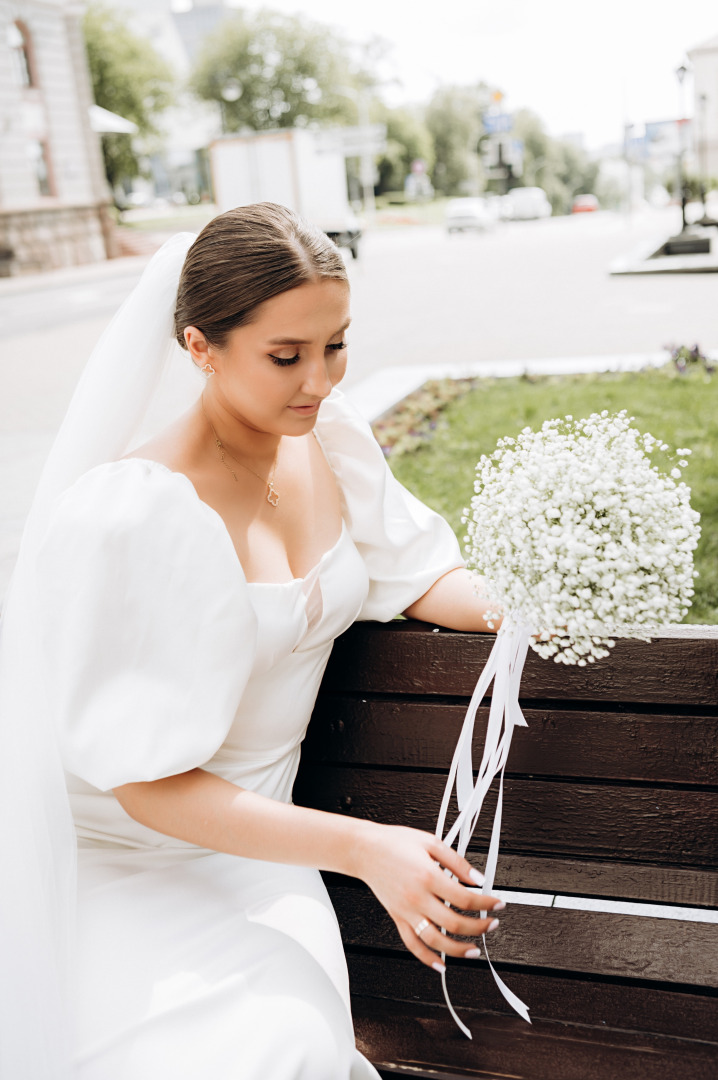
(298, 341)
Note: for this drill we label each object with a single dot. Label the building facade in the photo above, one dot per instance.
(53, 192)
(177, 29)
(704, 61)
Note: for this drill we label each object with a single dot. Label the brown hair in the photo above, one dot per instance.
(244, 257)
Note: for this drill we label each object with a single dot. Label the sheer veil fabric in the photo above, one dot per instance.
(136, 380)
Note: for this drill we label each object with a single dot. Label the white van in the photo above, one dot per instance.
(526, 204)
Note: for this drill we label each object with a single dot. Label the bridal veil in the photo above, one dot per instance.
(136, 380)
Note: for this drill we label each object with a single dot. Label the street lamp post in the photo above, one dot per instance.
(681, 73)
(230, 92)
(702, 149)
(366, 158)
(627, 135)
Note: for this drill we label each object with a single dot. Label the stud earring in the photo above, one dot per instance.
(207, 370)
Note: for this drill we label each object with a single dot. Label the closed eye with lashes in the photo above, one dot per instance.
(284, 361)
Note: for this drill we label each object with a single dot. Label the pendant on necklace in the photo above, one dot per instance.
(272, 494)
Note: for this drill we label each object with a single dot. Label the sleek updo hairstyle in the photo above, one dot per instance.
(244, 257)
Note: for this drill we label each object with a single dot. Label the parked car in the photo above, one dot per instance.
(463, 214)
(526, 204)
(584, 204)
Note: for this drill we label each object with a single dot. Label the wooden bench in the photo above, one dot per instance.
(611, 795)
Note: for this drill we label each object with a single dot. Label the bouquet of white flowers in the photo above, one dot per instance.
(578, 538)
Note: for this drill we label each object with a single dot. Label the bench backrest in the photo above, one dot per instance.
(611, 795)
(612, 790)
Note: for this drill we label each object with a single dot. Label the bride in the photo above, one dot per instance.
(173, 608)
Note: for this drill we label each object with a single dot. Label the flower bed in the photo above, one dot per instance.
(411, 423)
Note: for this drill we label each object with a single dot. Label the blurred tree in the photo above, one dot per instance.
(537, 146)
(453, 117)
(574, 171)
(129, 78)
(407, 139)
(610, 191)
(692, 184)
(269, 70)
(561, 168)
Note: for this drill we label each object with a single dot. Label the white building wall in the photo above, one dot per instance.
(64, 222)
(95, 179)
(17, 177)
(55, 110)
(704, 61)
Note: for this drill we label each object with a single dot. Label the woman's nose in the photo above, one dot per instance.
(317, 382)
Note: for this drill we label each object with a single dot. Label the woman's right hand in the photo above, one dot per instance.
(406, 870)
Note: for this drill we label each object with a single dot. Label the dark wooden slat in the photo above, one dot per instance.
(673, 749)
(506, 1049)
(625, 946)
(562, 999)
(417, 1072)
(413, 1071)
(541, 817)
(406, 658)
(664, 885)
(499, 1052)
(609, 880)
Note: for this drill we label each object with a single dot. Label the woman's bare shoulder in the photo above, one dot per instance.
(153, 451)
(174, 447)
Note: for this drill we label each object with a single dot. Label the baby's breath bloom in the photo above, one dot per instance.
(576, 532)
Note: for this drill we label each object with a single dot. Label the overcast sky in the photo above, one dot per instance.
(583, 67)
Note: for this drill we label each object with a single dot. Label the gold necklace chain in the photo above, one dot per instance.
(272, 493)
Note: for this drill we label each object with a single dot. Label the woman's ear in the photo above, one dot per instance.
(198, 347)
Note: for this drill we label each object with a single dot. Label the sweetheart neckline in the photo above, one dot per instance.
(292, 581)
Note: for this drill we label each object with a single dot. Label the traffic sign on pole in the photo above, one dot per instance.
(497, 123)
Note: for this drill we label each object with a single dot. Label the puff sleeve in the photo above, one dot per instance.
(405, 546)
(146, 629)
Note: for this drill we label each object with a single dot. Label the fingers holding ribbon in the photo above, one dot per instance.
(436, 936)
(430, 891)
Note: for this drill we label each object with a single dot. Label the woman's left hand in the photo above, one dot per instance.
(406, 870)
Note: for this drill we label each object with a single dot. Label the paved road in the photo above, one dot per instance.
(65, 301)
(533, 289)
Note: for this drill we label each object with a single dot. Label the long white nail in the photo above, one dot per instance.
(476, 876)
(438, 967)
(500, 906)
(472, 954)
(493, 925)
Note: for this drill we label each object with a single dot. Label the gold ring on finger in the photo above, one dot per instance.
(421, 927)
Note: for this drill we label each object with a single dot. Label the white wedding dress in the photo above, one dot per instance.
(160, 657)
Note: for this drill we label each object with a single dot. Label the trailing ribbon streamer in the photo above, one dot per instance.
(504, 666)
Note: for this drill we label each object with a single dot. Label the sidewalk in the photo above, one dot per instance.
(381, 391)
(73, 275)
(643, 261)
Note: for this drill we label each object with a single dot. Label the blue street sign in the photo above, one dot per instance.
(496, 123)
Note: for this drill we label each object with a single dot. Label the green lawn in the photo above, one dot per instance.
(681, 410)
(389, 212)
(177, 219)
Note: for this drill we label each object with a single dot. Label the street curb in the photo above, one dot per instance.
(643, 260)
(73, 275)
(665, 264)
(382, 391)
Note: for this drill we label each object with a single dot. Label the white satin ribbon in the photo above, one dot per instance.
(504, 666)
